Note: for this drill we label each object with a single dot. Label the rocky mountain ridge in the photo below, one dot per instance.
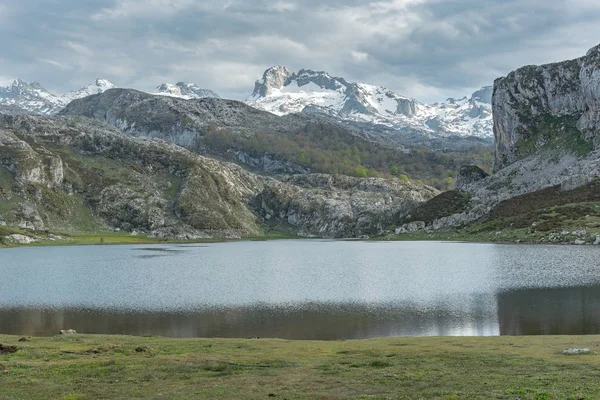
(282, 92)
(184, 90)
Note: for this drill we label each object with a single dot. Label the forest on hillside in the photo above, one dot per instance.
(330, 149)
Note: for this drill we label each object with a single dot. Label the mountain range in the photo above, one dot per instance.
(281, 92)
(20, 97)
(385, 115)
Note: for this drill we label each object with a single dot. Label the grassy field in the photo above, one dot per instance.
(126, 367)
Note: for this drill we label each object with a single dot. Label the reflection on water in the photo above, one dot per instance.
(307, 321)
(557, 311)
(301, 289)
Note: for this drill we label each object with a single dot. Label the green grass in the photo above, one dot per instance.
(125, 367)
(113, 238)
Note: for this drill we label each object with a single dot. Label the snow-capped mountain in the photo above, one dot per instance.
(184, 90)
(281, 92)
(99, 86)
(20, 97)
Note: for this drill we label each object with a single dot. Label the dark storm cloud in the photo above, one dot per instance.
(429, 49)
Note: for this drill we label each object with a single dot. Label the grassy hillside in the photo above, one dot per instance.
(123, 367)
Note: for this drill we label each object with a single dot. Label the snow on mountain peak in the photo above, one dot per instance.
(184, 90)
(20, 97)
(99, 86)
(283, 92)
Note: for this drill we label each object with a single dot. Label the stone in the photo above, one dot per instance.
(20, 239)
(575, 351)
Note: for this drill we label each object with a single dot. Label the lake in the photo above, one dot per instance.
(302, 289)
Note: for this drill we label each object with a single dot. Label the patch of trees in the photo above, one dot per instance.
(331, 149)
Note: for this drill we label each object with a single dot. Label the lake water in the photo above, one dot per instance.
(302, 289)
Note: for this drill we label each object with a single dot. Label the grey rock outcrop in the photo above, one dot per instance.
(548, 105)
(273, 78)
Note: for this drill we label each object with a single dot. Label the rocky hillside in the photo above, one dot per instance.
(84, 175)
(177, 120)
(547, 157)
(374, 108)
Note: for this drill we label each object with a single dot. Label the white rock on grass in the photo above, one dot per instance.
(20, 239)
(576, 351)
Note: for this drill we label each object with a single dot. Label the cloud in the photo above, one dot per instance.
(282, 6)
(54, 63)
(428, 49)
(359, 55)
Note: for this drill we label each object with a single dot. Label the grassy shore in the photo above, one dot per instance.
(126, 367)
(70, 238)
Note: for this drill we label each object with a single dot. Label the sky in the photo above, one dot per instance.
(426, 49)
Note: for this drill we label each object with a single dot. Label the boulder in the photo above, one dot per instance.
(20, 239)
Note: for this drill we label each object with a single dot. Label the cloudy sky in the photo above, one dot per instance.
(427, 49)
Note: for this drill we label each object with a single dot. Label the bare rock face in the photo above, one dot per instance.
(273, 78)
(548, 106)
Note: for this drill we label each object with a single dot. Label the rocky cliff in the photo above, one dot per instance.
(554, 106)
(85, 175)
(547, 156)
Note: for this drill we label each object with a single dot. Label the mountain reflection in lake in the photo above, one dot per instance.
(557, 311)
(301, 289)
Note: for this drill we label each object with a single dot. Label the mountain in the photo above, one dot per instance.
(99, 86)
(20, 97)
(546, 181)
(184, 90)
(262, 141)
(282, 92)
(80, 174)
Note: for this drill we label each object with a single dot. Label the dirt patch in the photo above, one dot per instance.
(8, 349)
(91, 351)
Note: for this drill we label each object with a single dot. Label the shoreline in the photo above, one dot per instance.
(84, 366)
(73, 238)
